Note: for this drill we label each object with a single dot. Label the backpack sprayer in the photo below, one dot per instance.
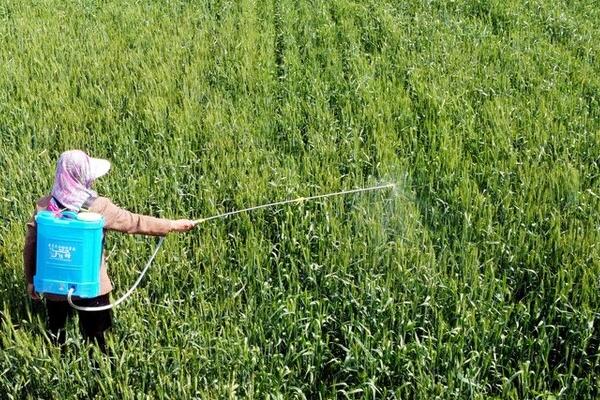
(68, 253)
(69, 249)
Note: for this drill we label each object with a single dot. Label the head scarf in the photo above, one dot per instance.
(75, 172)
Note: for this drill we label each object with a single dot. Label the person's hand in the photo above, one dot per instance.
(31, 292)
(182, 225)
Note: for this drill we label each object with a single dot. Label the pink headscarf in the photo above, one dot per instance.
(75, 172)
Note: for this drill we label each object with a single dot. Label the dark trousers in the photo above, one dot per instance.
(92, 324)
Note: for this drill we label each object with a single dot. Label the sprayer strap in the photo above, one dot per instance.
(87, 204)
(60, 206)
(84, 207)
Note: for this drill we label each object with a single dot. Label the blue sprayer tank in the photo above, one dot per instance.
(69, 253)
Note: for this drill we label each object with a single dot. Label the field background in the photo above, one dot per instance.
(479, 277)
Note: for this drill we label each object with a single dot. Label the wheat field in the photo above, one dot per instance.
(477, 277)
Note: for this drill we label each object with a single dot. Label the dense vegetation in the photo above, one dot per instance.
(479, 277)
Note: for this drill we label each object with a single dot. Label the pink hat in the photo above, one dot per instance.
(75, 172)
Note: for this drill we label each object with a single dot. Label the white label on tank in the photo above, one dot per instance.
(60, 252)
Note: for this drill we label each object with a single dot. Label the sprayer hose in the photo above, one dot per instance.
(126, 295)
(298, 200)
(227, 214)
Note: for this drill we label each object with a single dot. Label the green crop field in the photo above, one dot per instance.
(477, 277)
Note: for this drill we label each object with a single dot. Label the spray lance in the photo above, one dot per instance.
(53, 280)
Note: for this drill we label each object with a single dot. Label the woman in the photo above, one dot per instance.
(75, 173)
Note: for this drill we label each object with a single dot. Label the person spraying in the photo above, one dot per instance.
(72, 193)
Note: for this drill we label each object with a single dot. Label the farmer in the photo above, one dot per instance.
(75, 174)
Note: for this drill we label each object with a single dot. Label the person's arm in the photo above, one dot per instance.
(121, 220)
(29, 257)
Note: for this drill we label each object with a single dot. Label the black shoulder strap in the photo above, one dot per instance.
(59, 204)
(84, 207)
(87, 204)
